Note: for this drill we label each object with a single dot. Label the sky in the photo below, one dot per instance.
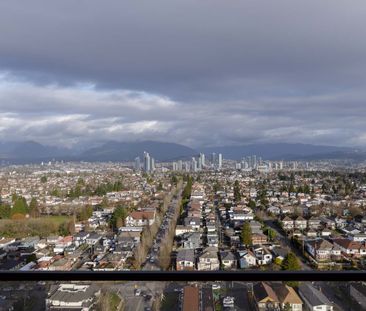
(199, 73)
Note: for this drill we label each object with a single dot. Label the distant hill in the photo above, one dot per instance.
(30, 150)
(128, 151)
(285, 151)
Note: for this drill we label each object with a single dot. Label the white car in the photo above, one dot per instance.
(228, 302)
(216, 286)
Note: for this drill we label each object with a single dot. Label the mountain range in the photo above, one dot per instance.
(30, 151)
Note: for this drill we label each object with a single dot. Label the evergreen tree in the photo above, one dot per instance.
(63, 230)
(20, 206)
(118, 217)
(291, 262)
(237, 193)
(5, 211)
(246, 234)
(33, 208)
(271, 234)
(252, 204)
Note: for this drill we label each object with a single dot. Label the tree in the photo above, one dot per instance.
(118, 217)
(43, 179)
(33, 208)
(291, 262)
(291, 188)
(63, 230)
(20, 206)
(252, 204)
(105, 202)
(287, 307)
(237, 193)
(5, 211)
(71, 226)
(174, 180)
(246, 234)
(85, 213)
(271, 234)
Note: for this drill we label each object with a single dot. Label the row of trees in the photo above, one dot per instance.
(149, 232)
(186, 194)
(82, 189)
(20, 208)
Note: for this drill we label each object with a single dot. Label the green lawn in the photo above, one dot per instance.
(58, 220)
(41, 226)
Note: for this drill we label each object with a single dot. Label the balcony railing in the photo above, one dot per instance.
(190, 276)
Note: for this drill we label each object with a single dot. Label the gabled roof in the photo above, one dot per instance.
(227, 255)
(142, 214)
(263, 292)
(185, 255)
(286, 294)
(287, 219)
(209, 252)
(300, 218)
(348, 244)
(320, 244)
(312, 295)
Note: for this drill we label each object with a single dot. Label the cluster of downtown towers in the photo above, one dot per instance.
(193, 165)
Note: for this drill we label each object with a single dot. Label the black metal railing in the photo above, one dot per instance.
(190, 276)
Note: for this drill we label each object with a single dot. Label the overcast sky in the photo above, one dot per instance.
(200, 73)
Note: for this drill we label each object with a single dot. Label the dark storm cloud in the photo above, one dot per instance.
(196, 72)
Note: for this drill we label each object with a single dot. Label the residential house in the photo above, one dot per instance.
(328, 222)
(140, 218)
(287, 296)
(275, 210)
(228, 260)
(212, 239)
(191, 240)
(322, 250)
(287, 223)
(255, 226)
(179, 230)
(350, 248)
(72, 296)
(264, 297)
(259, 238)
(193, 222)
(300, 223)
(93, 238)
(263, 255)
(185, 260)
(358, 237)
(209, 259)
(80, 238)
(247, 259)
(314, 223)
(314, 300)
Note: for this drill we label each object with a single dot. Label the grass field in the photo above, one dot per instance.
(41, 226)
(58, 220)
